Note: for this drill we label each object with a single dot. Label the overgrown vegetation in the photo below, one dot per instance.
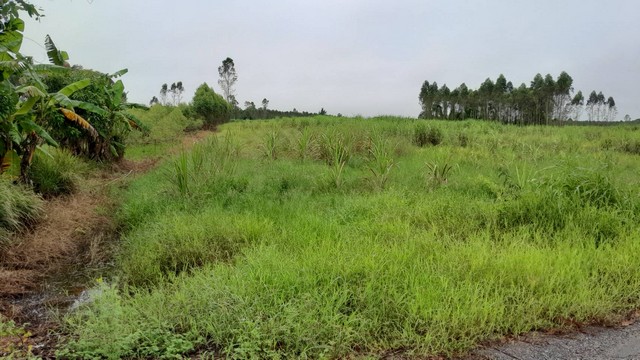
(56, 172)
(84, 111)
(211, 107)
(20, 208)
(226, 253)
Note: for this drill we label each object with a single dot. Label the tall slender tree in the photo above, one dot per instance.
(228, 78)
(577, 105)
(164, 89)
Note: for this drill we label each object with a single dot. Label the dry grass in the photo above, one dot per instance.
(54, 243)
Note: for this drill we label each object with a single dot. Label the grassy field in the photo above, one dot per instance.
(331, 237)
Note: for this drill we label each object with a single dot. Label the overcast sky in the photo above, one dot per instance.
(366, 57)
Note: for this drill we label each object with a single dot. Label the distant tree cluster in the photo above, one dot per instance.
(546, 100)
(169, 95)
(252, 112)
(214, 108)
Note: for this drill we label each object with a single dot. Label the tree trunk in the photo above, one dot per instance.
(28, 150)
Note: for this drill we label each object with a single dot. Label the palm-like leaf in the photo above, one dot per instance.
(56, 56)
(135, 123)
(118, 91)
(72, 116)
(89, 107)
(26, 106)
(31, 91)
(50, 68)
(118, 73)
(11, 36)
(76, 86)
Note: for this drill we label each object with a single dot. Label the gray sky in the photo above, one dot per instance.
(365, 57)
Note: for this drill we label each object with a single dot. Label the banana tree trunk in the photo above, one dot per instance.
(28, 150)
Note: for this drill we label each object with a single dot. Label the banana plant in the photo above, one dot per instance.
(29, 121)
(25, 108)
(117, 109)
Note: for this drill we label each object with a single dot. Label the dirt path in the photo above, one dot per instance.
(593, 343)
(48, 267)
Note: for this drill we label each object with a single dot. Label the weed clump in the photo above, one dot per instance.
(631, 147)
(56, 174)
(20, 208)
(380, 160)
(463, 140)
(423, 135)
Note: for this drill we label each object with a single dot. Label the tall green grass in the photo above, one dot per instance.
(56, 172)
(166, 124)
(528, 228)
(19, 209)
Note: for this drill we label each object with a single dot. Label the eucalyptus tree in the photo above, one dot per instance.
(176, 91)
(577, 105)
(562, 96)
(164, 91)
(592, 104)
(612, 111)
(228, 78)
(601, 106)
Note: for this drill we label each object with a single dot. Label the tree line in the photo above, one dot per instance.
(545, 100)
(207, 99)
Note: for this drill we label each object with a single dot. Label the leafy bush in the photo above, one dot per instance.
(56, 174)
(211, 107)
(19, 209)
(423, 135)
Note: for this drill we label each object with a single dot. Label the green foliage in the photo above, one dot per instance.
(16, 341)
(536, 228)
(56, 172)
(305, 142)
(142, 341)
(545, 101)
(336, 151)
(211, 107)
(423, 135)
(111, 117)
(20, 208)
(631, 147)
(202, 166)
(271, 146)
(438, 174)
(380, 161)
(167, 127)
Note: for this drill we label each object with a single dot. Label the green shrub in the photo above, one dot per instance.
(19, 209)
(423, 135)
(56, 174)
(211, 107)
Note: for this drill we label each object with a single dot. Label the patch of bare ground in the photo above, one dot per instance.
(45, 269)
